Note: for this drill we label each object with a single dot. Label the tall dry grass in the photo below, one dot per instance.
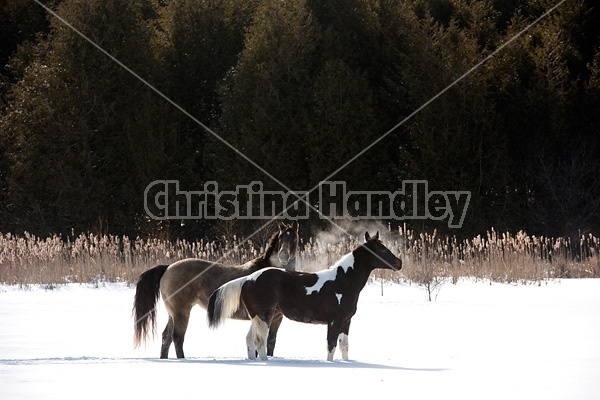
(428, 258)
(86, 258)
(499, 257)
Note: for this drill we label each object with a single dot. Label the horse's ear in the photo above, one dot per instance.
(295, 225)
(281, 226)
(377, 236)
(367, 236)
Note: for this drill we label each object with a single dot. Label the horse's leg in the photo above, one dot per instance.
(251, 341)
(334, 329)
(275, 322)
(180, 325)
(256, 339)
(262, 331)
(167, 339)
(343, 340)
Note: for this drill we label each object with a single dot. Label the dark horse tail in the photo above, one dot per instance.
(147, 292)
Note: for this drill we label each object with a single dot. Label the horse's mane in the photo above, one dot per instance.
(271, 246)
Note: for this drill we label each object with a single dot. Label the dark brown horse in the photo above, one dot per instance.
(326, 297)
(188, 282)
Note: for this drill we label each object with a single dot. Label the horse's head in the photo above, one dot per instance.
(288, 243)
(380, 256)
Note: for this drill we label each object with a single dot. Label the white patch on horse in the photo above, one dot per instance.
(255, 275)
(330, 274)
(339, 298)
(345, 262)
(330, 354)
(343, 341)
(256, 339)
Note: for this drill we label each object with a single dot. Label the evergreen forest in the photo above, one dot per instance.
(181, 89)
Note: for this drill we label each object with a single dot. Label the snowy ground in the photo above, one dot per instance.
(476, 341)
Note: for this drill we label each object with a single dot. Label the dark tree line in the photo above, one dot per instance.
(300, 87)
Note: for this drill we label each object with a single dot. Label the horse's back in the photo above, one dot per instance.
(292, 294)
(187, 282)
(281, 279)
(192, 281)
(275, 288)
(184, 271)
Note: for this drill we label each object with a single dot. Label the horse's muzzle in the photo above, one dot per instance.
(284, 256)
(397, 265)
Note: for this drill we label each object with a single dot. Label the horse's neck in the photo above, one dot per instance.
(271, 249)
(362, 276)
(256, 264)
(357, 274)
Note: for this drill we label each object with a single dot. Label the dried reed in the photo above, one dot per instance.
(428, 257)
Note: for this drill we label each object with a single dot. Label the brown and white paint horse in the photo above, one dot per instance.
(188, 282)
(327, 297)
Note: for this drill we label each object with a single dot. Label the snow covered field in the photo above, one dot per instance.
(477, 341)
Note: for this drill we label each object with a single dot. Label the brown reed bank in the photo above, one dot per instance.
(428, 258)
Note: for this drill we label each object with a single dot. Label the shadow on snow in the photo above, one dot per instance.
(243, 362)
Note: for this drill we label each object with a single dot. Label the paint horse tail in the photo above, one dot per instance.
(224, 302)
(147, 292)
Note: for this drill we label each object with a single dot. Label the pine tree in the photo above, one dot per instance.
(78, 123)
(265, 99)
